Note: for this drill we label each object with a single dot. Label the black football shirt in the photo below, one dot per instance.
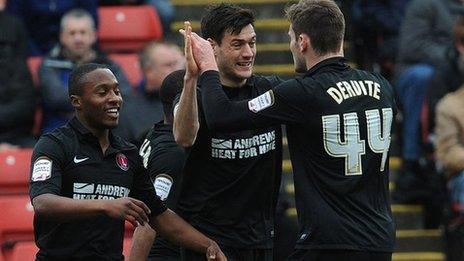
(231, 178)
(164, 159)
(69, 162)
(338, 128)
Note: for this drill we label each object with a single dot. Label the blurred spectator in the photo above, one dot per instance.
(142, 109)
(450, 75)
(450, 153)
(376, 25)
(17, 100)
(42, 19)
(164, 9)
(425, 35)
(77, 36)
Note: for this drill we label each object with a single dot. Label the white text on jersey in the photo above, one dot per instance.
(345, 90)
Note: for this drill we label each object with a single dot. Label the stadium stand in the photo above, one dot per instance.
(22, 251)
(129, 62)
(127, 28)
(34, 63)
(16, 220)
(14, 174)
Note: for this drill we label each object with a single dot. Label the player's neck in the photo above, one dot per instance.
(225, 81)
(312, 60)
(102, 135)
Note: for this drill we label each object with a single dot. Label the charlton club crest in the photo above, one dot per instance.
(122, 161)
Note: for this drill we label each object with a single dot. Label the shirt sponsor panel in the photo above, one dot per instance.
(98, 191)
(242, 148)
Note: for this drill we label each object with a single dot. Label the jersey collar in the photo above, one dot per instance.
(115, 142)
(334, 62)
(77, 125)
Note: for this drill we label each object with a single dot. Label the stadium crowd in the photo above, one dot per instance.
(229, 192)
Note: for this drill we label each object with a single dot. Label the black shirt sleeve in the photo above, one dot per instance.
(143, 190)
(47, 164)
(282, 104)
(165, 169)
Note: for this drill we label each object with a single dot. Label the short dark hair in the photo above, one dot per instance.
(75, 83)
(321, 20)
(223, 18)
(171, 86)
(76, 13)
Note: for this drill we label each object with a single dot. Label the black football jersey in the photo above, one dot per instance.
(338, 127)
(69, 162)
(164, 159)
(230, 178)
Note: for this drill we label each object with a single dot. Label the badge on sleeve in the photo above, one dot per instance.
(261, 102)
(42, 169)
(122, 161)
(163, 184)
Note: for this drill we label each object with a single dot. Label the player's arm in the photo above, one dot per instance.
(170, 225)
(142, 240)
(186, 124)
(283, 104)
(66, 209)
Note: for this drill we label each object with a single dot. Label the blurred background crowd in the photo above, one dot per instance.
(416, 44)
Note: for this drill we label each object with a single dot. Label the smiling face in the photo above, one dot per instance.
(235, 56)
(100, 100)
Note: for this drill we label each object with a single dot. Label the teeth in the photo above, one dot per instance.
(113, 110)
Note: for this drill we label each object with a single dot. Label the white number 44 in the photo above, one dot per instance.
(352, 147)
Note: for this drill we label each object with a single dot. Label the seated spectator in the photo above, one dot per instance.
(77, 37)
(450, 153)
(42, 19)
(450, 75)
(17, 100)
(376, 25)
(425, 35)
(142, 109)
(163, 8)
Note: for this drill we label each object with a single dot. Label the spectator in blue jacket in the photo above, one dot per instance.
(42, 19)
(77, 37)
(425, 35)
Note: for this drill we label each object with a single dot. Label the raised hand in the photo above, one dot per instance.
(132, 210)
(202, 51)
(191, 66)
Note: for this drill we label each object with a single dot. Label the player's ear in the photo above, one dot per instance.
(76, 101)
(303, 42)
(214, 45)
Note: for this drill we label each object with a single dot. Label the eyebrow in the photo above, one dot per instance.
(243, 40)
(106, 85)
